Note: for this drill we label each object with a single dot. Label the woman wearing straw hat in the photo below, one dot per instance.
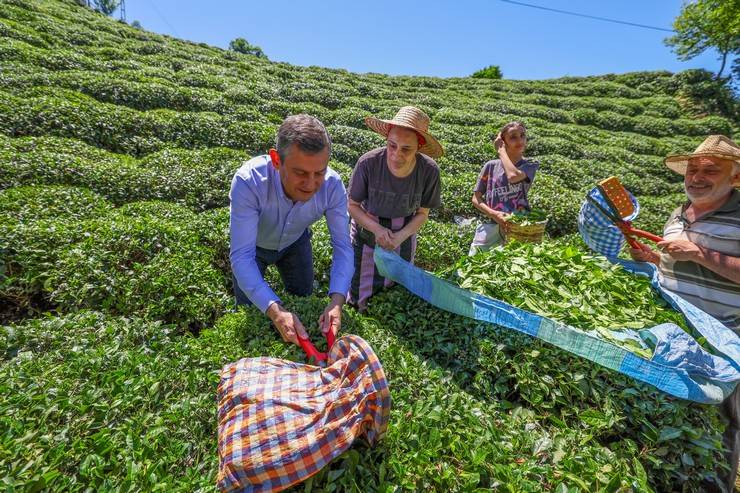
(699, 258)
(391, 192)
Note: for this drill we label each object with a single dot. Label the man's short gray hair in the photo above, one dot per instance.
(305, 131)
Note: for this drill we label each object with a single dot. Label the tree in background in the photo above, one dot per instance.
(241, 45)
(706, 24)
(490, 72)
(136, 24)
(106, 6)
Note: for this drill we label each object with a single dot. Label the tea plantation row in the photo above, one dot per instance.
(117, 148)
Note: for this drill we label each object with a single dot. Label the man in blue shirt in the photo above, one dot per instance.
(274, 200)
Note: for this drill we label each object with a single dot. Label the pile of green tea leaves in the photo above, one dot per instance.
(564, 282)
(528, 218)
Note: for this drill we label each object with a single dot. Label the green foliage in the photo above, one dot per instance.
(545, 393)
(24, 205)
(441, 244)
(528, 218)
(117, 150)
(107, 7)
(148, 390)
(140, 259)
(702, 94)
(120, 129)
(562, 204)
(141, 262)
(567, 284)
(241, 45)
(91, 401)
(490, 72)
(707, 24)
(200, 179)
(34, 223)
(457, 193)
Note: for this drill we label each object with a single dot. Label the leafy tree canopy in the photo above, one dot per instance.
(106, 6)
(490, 72)
(241, 45)
(707, 24)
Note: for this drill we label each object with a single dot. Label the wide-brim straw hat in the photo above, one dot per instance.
(414, 119)
(717, 146)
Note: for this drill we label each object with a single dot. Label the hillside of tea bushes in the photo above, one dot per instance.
(117, 148)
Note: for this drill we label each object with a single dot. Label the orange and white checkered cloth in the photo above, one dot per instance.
(280, 422)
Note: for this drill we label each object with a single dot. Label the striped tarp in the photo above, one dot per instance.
(679, 365)
(280, 422)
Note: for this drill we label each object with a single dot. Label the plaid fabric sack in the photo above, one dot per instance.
(598, 231)
(280, 422)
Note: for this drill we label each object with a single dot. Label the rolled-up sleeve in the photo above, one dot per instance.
(337, 220)
(431, 197)
(243, 223)
(483, 177)
(358, 182)
(531, 170)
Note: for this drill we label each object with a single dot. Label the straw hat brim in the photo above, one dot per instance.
(431, 148)
(679, 162)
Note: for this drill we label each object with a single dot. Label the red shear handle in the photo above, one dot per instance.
(627, 232)
(330, 338)
(633, 242)
(645, 234)
(630, 232)
(311, 350)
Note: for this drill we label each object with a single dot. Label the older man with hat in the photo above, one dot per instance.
(699, 258)
(391, 191)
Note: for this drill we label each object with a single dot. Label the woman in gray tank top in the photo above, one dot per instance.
(391, 191)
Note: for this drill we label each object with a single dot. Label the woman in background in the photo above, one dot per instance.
(503, 186)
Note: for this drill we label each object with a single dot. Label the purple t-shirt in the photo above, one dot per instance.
(498, 193)
(384, 195)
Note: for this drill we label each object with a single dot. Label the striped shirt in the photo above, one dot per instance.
(719, 231)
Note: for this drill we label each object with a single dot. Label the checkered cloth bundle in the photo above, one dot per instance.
(598, 231)
(280, 422)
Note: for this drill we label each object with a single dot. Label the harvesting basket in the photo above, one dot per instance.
(531, 233)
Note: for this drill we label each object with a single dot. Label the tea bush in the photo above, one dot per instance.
(117, 149)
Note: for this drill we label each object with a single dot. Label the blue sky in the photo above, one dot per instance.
(436, 38)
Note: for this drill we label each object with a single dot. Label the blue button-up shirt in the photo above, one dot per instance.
(262, 215)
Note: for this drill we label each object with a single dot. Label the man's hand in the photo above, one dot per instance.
(681, 250)
(287, 324)
(331, 319)
(645, 254)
